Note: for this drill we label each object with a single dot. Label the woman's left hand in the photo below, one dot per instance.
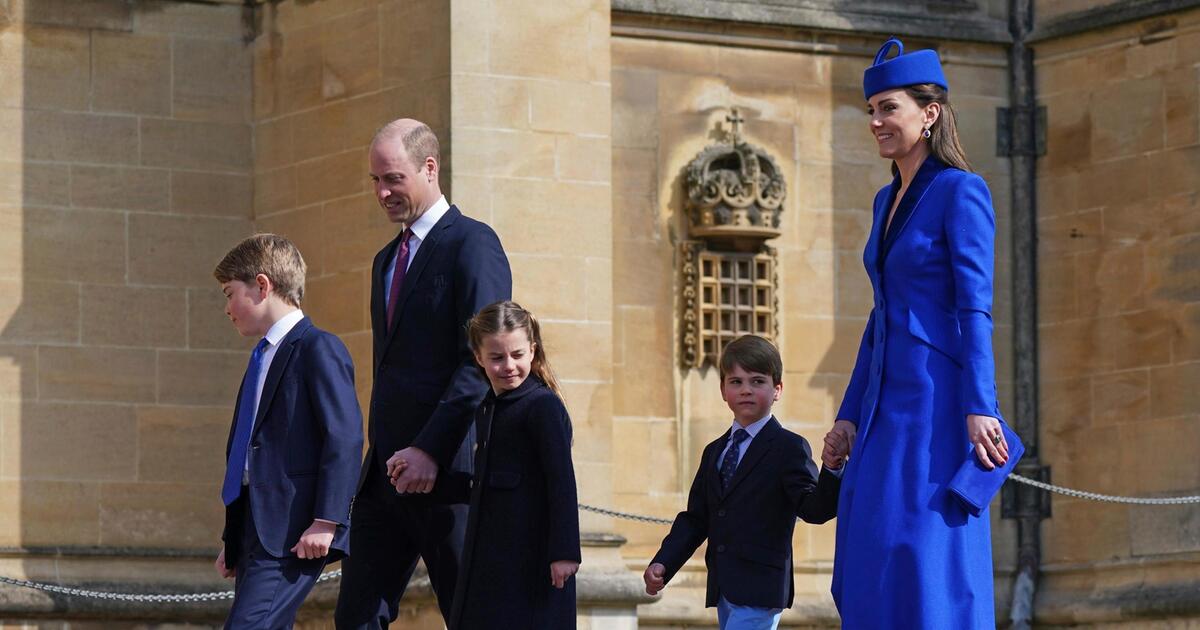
(561, 571)
(990, 445)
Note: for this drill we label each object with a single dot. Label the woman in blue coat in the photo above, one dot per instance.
(922, 396)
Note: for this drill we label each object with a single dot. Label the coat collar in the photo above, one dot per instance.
(926, 174)
(531, 384)
(759, 446)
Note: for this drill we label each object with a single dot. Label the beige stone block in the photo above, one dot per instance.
(1128, 117)
(638, 219)
(18, 375)
(1075, 348)
(76, 137)
(196, 145)
(180, 250)
(1066, 401)
(1068, 134)
(212, 79)
(351, 46)
(1121, 397)
(1173, 390)
(809, 402)
(34, 311)
(1063, 75)
(1057, 195)
(635, 175)
(1172, 277)
(634, 108)
(1138, 339)
(274, 191)
(1170, 443)
(113, 15)
(208, 327)
(526, 211)
(417, 30)
(580, 158)
(338, 126)
(570, 107)
(1070, 234)
(644, 275)
(200, 377)
(273, 142)
(503, 153)
(1111, 280)
(45, 68)
(552, 287)
(212, 194)
(822, 345)
(171, 516)
(562, 35)
(336, 302)
(806, 278)
(1175, 172)
(772, 65)
(1084, 531)
(293, 64)
(331, 177)
(120, 188)
(71, 441)
(132, 73)
(599, 276)
(1186, 346)
(581, 351)
(38, 513)
(354, 229)
(1181, 125)
(590, 406)
(644, 385)
(28, 184)
(175, 18)
(663, 56)
(95, 374)
(647, 450)
(853, 292)
(182, 444)
(1057, 279)
(133, 316)
(490, 101)
(303, 227)
(43, 237)
(296, 15)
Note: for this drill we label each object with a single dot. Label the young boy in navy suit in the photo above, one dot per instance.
(296, 442)
(752, 484)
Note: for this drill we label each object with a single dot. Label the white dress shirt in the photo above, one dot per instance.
(420, 230)
(752, 429)
(275, 334)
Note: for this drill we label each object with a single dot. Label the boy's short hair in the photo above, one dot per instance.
(753, 354)
(271, 255)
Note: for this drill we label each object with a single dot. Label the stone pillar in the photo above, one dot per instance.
(531, 147)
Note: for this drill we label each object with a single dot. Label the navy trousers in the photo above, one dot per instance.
(267, 591)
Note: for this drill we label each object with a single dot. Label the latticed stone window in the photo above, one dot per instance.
(729, 274)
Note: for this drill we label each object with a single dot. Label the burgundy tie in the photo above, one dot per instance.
(398, 274)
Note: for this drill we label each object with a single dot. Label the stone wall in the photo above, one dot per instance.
(670, 99)
(1119, 309)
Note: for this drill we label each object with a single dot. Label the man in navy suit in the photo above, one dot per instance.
(436, 274)
(294, 447)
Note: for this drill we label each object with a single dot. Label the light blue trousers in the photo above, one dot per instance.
(734, 617)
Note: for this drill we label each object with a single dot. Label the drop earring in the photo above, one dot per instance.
(925, 134)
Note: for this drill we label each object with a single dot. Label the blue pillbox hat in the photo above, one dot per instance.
(914, 68)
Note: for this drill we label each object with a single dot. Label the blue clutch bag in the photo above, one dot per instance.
(974, 485)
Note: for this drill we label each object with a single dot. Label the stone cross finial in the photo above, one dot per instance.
(735, 118)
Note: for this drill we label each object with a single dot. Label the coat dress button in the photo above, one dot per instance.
(720, 548)
(720, 512)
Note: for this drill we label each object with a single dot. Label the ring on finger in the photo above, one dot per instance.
(996, 440)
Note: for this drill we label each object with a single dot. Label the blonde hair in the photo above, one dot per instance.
(271, 255)
(508, 316)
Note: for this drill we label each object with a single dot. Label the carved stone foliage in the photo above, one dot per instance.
(729, 278)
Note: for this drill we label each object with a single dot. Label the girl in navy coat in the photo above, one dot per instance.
(922, 396)
(522, 542)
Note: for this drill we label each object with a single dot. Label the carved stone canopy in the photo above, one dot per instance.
(735, 193)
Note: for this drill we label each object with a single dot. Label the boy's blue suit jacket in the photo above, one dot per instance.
(306, 446)
(749, 525)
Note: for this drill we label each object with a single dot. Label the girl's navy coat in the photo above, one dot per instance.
(524, 515)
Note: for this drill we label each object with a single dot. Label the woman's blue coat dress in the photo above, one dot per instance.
(908, 553)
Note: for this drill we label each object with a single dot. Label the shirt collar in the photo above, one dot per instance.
(424, 224)
(281, 328)
(752, 429)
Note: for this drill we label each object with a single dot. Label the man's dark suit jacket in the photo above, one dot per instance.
(305, 448)
(427, 385)
(749, 526)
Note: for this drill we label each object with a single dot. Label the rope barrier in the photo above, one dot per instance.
(629, 516)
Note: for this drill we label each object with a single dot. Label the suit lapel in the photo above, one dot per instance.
(278, 364)
(925, 176)
(759, 446)
(712, 477)
(413, 276)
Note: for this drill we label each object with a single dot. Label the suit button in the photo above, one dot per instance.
(720, 548)
(720, 512)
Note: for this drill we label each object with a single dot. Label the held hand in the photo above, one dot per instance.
(560, 570)
(990, 446)
(223, 570)
(838, 444)
(395, 466)
(314, 542)
(654, 578)
(418, 474)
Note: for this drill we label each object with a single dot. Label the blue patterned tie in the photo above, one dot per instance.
(730, 462)
(236, 464)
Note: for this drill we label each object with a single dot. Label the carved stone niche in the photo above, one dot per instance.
(729, 278)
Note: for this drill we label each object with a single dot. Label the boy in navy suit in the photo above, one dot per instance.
(752, 484)
(296, 442)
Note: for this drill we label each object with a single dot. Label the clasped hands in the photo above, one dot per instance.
(985, 434)
(412, 471)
